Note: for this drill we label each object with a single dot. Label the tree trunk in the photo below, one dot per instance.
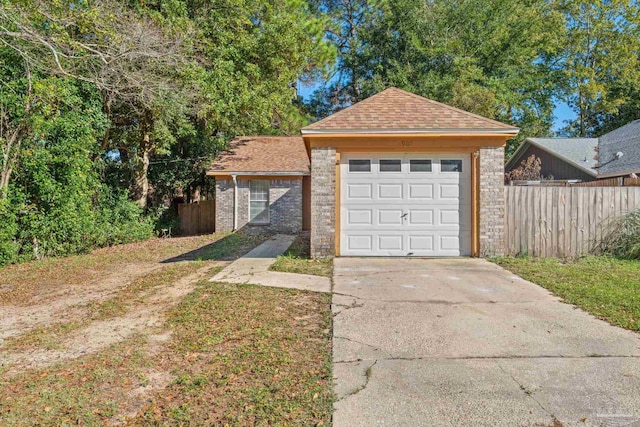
(141, 166)
(8, 159)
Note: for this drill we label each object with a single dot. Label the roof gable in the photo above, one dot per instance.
(397, 110)
(263, 155)
(579, 152)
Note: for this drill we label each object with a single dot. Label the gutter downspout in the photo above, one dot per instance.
(235, 202)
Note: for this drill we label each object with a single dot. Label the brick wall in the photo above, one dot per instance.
(224, 205)
(323, 202)
(492, 237)
(285, 206)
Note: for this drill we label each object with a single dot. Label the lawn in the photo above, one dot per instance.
(606, 287)
(161, 345)
(297, 259)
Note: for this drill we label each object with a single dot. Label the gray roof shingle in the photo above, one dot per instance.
(625, 140)
(579, 151)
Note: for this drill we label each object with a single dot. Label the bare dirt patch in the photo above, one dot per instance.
(65, 308)
(136, 335)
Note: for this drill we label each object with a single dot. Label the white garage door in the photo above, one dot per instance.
(405, 204)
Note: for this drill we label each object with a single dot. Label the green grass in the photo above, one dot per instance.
(297, 260)
(606, 287)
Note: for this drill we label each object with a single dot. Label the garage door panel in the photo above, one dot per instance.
(359, 242)
(420, 217)
(359, 191)
(450, 243)
(449, 192)
(390, 242)
(390, 191)
(420, 213)
(421, 191)
(390, 217)
(449, 217)
(360, 216)
(420, 243)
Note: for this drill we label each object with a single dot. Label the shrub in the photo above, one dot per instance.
(623, 238)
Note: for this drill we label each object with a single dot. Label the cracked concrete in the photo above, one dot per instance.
(449, 342)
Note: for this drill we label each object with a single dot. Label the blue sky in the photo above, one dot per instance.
(562, 112)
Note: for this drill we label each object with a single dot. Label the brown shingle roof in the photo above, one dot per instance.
(263, 155)
(396, 109)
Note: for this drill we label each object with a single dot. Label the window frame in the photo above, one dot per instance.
(351, 160)
(423, 159)
(455, 160)
(266, 221)
(395, 159)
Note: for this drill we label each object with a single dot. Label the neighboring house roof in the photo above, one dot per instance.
(625, 140)
(263, 155)
(395, 110)
(579, 152)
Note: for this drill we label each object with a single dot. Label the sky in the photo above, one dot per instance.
(561, 113)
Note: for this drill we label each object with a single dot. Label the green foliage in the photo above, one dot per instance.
(483, 56)
(57, 204)
(84, 127)
(623, 238)
(600, 63)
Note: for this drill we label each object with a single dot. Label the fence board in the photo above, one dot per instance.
(197, 218)
(562, 221)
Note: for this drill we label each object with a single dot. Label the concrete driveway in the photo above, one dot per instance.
(463, 342)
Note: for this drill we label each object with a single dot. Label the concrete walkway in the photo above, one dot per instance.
(254, 268)
(463, 342)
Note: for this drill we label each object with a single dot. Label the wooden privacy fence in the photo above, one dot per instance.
(562, 222)
(197, 218)
(618, 181)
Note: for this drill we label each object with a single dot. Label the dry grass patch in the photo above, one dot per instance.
(297, 259)
(21, 284)
(44, 337)
(135, 292)
(248, 355)
(237, 355)
(87, 391)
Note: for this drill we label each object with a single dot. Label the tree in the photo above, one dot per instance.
(483, 56)
(600, 64)
(123, 54)
(347, 19)
(528, 170)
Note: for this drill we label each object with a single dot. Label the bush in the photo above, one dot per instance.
(57, 204)
(623, 238)
(121, 221)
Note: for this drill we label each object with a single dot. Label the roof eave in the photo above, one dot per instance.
(258, 173)
(619, 173)
(486, 131)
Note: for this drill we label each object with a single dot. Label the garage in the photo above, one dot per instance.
(405, 204)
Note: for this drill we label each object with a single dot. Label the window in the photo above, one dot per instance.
(420, 165)
(451, 165)
(359, 165)
(390, 166)
(259, 202)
